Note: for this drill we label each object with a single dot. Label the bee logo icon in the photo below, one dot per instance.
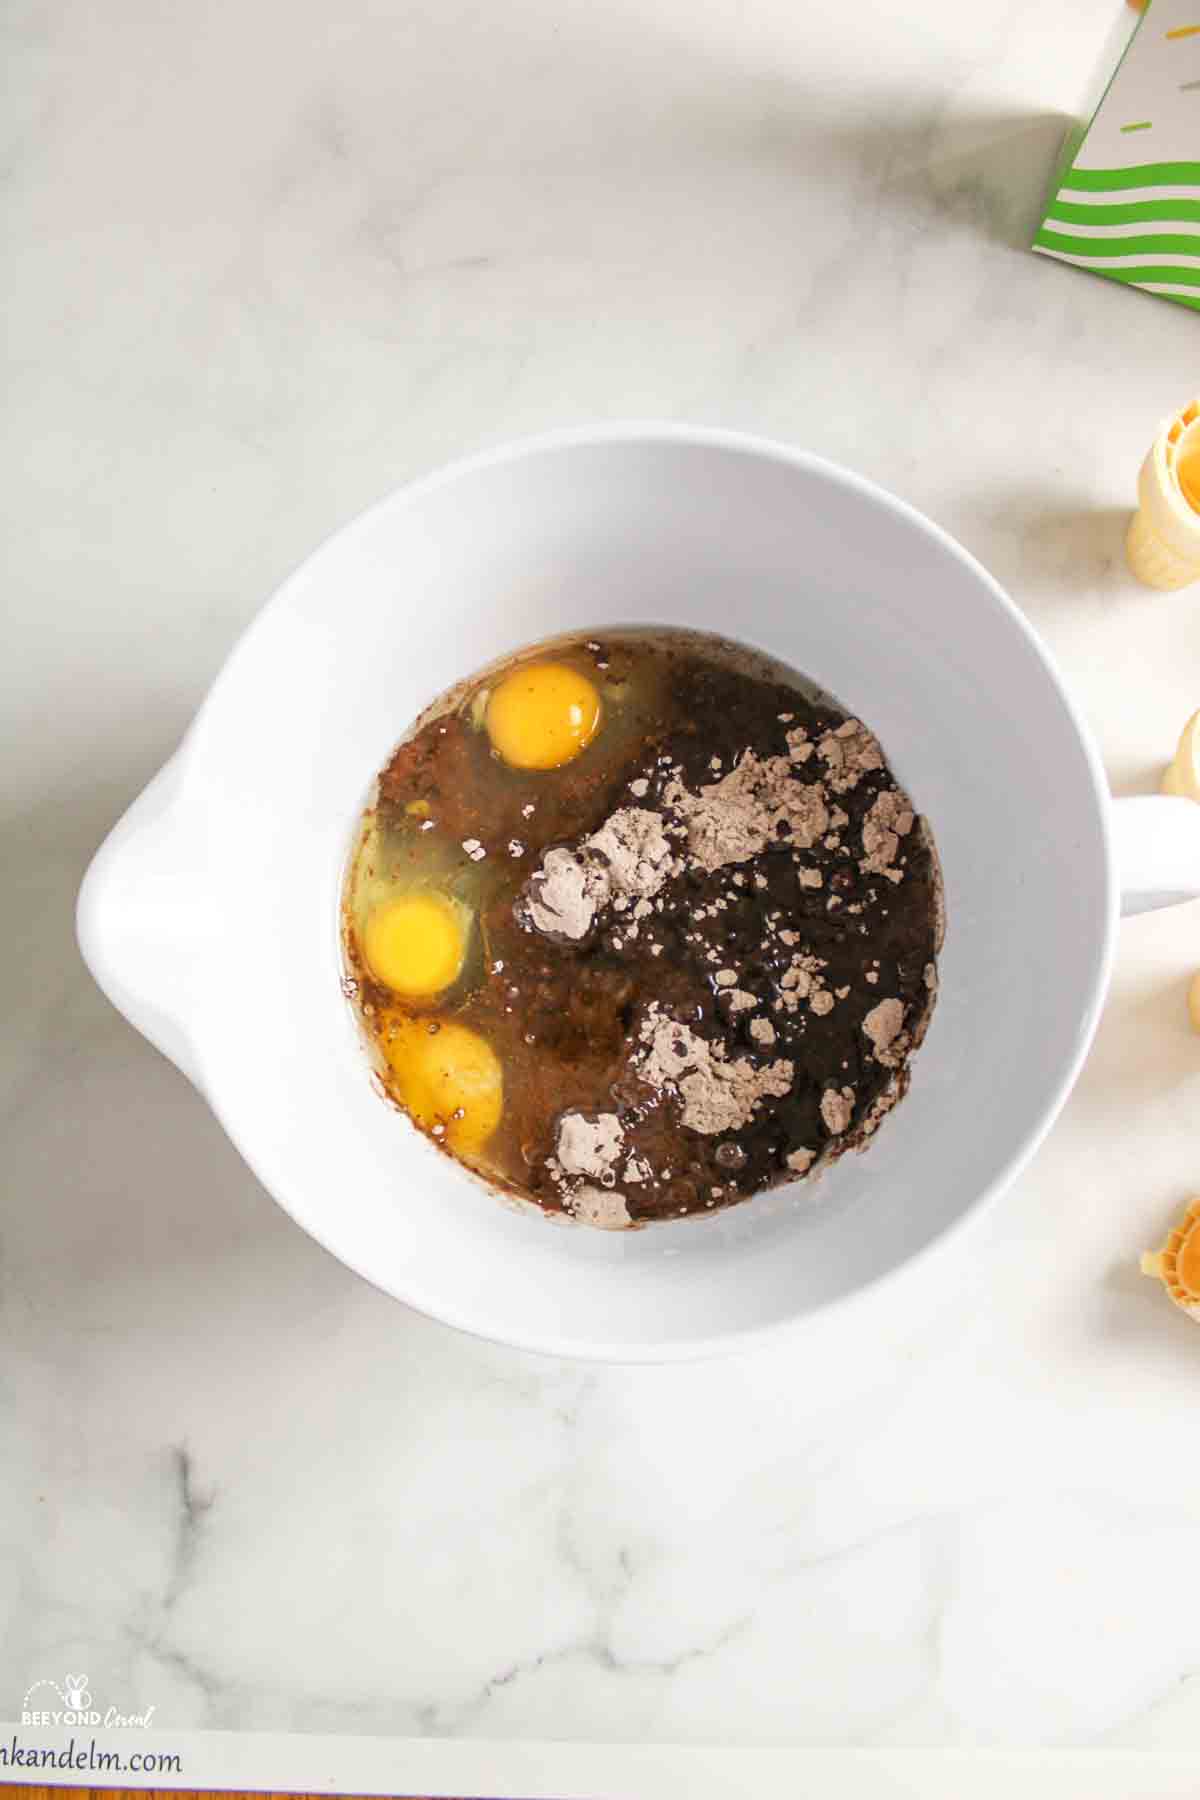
(76, 1692)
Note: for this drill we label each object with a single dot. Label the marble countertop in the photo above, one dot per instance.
(267, 261)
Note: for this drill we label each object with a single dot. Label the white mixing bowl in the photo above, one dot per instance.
(210, 916)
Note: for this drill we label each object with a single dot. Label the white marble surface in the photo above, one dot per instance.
(267, 260)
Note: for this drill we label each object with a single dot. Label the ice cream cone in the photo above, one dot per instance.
(1177, 1264)
(1163, 545)
(1182, 776)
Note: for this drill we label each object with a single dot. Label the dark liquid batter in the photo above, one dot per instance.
(780, 960)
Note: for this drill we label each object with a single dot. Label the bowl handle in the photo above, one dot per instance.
(141, 920)
(1156, 842)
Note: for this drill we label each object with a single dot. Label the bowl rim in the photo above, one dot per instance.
(641, 433)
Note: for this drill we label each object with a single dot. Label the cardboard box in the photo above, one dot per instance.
(1125, 201)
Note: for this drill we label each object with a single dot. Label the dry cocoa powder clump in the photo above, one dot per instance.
(630, 857)
(759, 802)
(589, 1146)
(719, 1093)
(884, 1025)
(849, 753)
(890, 818)
(837, 1109)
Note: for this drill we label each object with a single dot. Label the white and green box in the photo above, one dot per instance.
(1126, 196)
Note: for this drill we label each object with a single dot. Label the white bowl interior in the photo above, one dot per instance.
(782, 552)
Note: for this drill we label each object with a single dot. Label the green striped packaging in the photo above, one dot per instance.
(1126, 195)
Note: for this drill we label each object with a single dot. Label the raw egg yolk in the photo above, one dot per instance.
(450, 1076)
(543, 716)
(415, 944)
